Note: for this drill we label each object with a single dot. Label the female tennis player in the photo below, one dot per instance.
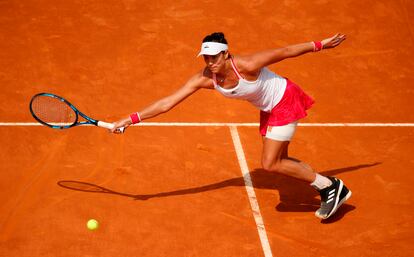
(281, 102)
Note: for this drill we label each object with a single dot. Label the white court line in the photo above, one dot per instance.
(220, 124)
(250, 192)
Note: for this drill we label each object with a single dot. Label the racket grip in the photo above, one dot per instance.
(107, 125)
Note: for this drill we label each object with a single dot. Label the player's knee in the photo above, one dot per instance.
(270, 164)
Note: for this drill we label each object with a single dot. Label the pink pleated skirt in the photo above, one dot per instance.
(291, 107)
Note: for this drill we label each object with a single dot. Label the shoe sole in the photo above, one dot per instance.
(348, 195)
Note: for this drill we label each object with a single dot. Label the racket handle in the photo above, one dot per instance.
(107, 125)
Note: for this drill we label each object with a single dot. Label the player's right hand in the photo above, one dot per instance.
(121, 125)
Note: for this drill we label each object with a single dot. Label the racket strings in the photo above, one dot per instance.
(53, 111)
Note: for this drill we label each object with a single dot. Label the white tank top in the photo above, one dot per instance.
(264, 93)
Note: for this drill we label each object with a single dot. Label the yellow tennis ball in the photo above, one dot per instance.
(92, 224)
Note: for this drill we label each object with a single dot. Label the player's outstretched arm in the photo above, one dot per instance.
(261, 59)
(165, 104)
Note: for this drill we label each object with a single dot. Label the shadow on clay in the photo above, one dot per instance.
(295, 196)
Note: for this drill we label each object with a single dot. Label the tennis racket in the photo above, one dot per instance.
(56, 112)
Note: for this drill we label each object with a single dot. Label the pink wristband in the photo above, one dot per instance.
(135, 118)
(317, 46)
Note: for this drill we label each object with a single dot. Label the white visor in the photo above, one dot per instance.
(212, 48)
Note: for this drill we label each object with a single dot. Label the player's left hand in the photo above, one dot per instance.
(333, 41)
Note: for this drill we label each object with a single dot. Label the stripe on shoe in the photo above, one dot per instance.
(331, 196)
(336, 199)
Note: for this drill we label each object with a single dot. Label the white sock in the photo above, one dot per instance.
(321, 182)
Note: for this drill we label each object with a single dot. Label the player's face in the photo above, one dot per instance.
(215, 62)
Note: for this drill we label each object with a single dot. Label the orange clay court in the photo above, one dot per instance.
(170, 188)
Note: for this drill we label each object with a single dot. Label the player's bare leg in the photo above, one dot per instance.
(333, 192)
